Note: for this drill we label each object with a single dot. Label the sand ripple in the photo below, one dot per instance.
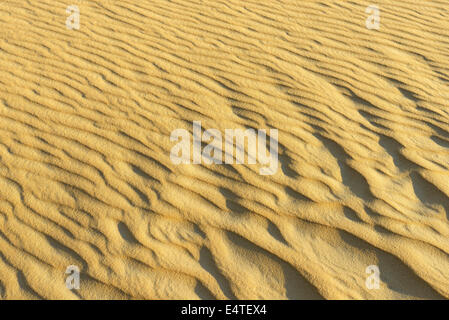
(86, 178)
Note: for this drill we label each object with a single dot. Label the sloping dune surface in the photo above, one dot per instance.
(86, 177)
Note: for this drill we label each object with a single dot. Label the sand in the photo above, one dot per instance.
(86, 178)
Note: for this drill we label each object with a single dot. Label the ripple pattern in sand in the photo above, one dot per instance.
(86, 178)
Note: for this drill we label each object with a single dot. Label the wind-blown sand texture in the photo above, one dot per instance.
(85, 171)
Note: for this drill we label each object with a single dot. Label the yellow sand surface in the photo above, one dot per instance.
(86, 177)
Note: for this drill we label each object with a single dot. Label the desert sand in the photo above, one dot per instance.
(86, 177)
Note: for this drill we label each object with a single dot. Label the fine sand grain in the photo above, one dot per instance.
(86, 177)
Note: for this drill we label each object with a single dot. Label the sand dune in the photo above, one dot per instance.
(86, 177)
